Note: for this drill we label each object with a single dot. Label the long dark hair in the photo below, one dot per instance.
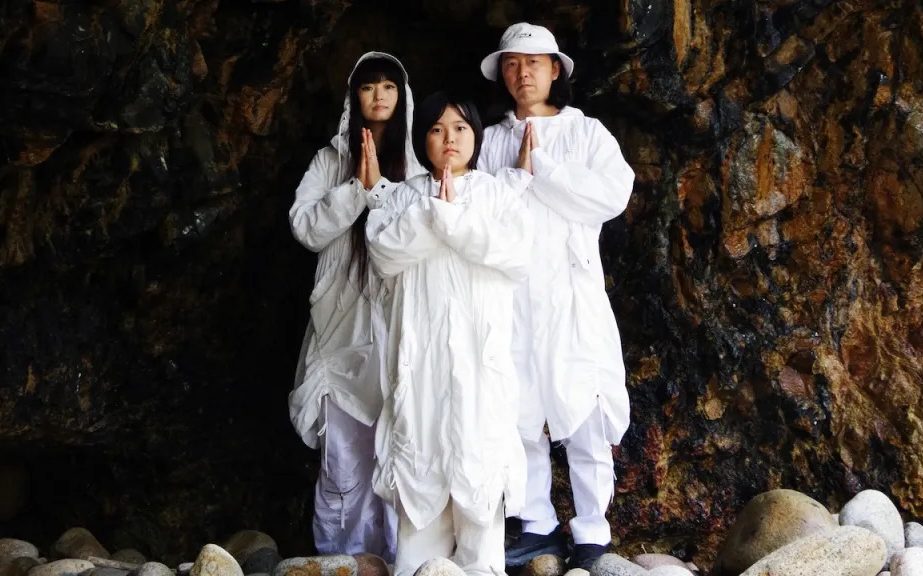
(391, 160)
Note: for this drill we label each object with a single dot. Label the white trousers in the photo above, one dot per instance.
(349, 517)
(476, 548)
(592, 479)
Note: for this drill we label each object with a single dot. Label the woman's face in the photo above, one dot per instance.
(450, 140)
(377, 101)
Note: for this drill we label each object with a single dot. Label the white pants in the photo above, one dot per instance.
(348, 517)
(477, 549)
(592, 479)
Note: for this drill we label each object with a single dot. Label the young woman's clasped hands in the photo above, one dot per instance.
(447, 184)
(367, 170)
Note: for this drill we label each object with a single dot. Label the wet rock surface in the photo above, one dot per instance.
(767, 274)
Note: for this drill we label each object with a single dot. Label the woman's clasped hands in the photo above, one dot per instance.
(367, 170)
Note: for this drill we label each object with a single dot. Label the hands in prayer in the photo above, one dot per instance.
(529, 141)
(368, 171)
(447, 185)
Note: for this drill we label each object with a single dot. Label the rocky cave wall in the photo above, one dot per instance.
(766, 276)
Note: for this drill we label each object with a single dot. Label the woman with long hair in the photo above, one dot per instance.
(338, 387)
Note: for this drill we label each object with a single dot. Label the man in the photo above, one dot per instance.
(566, 342)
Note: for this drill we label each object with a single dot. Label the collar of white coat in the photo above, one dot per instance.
(340, 140)
(568, 113)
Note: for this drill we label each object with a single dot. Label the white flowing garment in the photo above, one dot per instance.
(448, 426)
(566, 341)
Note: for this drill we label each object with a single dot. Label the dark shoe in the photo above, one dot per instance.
(585, 555)
(530, 545)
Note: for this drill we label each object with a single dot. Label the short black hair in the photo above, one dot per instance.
(428, 112)
(559, 95)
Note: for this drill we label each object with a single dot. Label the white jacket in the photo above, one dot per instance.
(446, 429)
(337, 355)
(566, 342)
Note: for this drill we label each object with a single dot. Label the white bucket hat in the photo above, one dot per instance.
(525, 38)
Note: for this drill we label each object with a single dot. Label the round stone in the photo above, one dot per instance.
(439, 567)
(261, 560)
(545, 565)
(79, 543)
(11, 548)
(615, 565)
(213, 560)
(874, 511)
(913, 535)
(907, 562)
(66, 567)
(371, 565)
(153, 569)
(246, 542)
(769, 521)
(841, 551)
(650, 561)
(669, 570)
(337, 565)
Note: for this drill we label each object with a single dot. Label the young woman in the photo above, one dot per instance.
(453, 240)
(567, 344)
(338, 389)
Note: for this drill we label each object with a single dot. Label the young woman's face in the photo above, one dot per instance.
(528, 77)
(450, 140)
(378, 100)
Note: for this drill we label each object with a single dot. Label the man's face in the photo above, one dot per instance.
(528, 77)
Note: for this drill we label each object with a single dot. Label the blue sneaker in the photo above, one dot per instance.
(585, 555)
(530, 545)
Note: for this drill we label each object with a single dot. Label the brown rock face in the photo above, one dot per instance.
(767, 274)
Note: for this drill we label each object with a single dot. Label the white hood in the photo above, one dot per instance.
(340, 140)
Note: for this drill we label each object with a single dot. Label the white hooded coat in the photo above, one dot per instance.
(566, 341)
(446, 429)
(339, 356)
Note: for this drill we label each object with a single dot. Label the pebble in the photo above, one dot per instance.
(842, 551)
(129, 555)
(261, 560)
(11, 548)
(669, 570)
(153, 569)
(907, 562)
(108, 571)
(79, 543)
(66, 567)
(874, 511)
(913, 534)
(371, 565)
(649, 561)
(545, 565)
(614, 565)
(769, 521)
(17, 566)
(577, 572)
(185, 568)
(439, 567)
(213, 560)
(340, 565)
(246, 542)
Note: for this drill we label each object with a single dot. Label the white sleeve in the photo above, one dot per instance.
(589, 192)
(322, 213)
(495, 232)
(400, 235)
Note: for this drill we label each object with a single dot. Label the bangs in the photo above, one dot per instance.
(376, 70)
